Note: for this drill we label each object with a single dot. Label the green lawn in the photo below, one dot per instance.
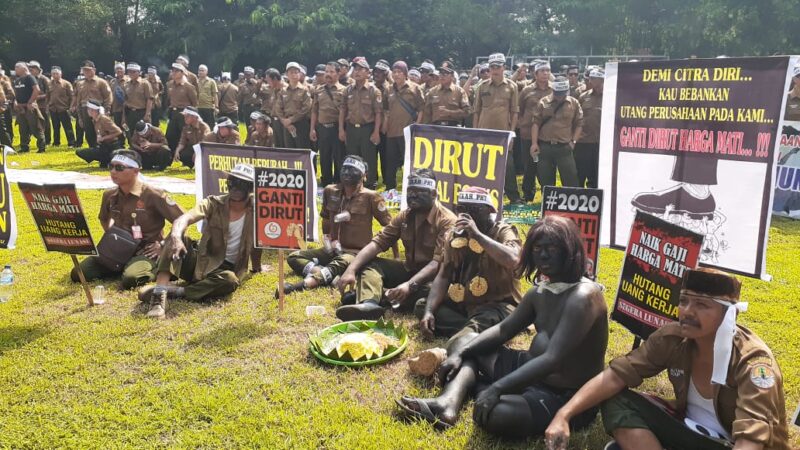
(237, 373)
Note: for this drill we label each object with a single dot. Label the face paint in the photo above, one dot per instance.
(548, 256)
(239, 189)
(350, 176)
(420, 199)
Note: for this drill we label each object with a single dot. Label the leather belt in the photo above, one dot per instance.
(359, 125)
(448, 123)
(329, 125)
(553, 142)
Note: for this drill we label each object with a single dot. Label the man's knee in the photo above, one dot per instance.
(228, 281)
(297, 261)
(510, 418)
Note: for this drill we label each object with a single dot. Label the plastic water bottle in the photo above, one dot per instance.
(6, 284)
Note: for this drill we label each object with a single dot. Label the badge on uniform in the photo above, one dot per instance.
(762, 376)
(136, 231)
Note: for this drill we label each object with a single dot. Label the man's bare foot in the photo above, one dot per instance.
(434, 410)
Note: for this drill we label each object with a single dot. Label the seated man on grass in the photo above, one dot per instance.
(213, 267)
(727, 384)
(519, 391)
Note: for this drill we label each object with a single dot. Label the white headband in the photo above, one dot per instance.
(723, 341)
(119, 66)
(427, 66)
(100, 108)
(796, 71)
(382, 66)
(146, 129)
(352, 162)
(475, 198)
(203, 67)
(226, 123)
(191, 113)
(420, 182)
(541, 66)
(249, 69)
(125, 161)
(596, 73)
(151, 70)
(561, 86)
(135, 67)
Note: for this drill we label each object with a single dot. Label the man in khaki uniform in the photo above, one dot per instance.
(109, 136)
(207, 95)
(157, 93)
(138, 98)
(326, 103)
(576, 88)
(557, 123)
(587, 149)
(228, 98)
(496, 108)
(259, 134)
(41, 101)
(422, 227)
(427, 78)
(360, 118)
(403, 104)
(293, 109)
(184, 61)
(138, 208)
(5, 139)
(348, 209)
(727, 384)
(7, 115)
(59, 100)
(269, 104)
(224, 132)
(150, 143)
(193, 132)
(182, 95)
(29, 117)
(529, 97)
(91, 87)
(446, 104)
(382, 81)
(215, 266)
(117, 85)
(248, 95)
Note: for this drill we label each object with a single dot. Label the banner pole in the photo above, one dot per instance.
(83, 280)
(281, 276)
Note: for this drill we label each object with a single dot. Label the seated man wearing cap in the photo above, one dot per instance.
(422, 227)
(135, 207)
(347, 212)
(109, 136)
(727, 384)
(150, 143)
(213, 267)
(259, 133)
(194, 130)
(224, 132)
(476, 287)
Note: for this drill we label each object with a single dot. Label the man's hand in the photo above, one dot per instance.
(342, 135)
(152, 250)
(534, 148)
(427, 324)
(286, 123)
(556, 436)
(400, 293)
(375, 138)
(148, 118)
(312, 135)
(571, 145)
(178, 249)
(465, 222)
(485, 403)
(347, 280)
(264, 268)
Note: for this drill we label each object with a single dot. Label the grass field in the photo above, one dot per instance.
(237, 373)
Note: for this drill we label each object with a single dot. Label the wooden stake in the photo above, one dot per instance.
(281, 275)
(83, 280)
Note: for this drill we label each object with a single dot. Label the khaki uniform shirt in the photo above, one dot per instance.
(44, 89)
(495, 103)
(156, 88)
(192, 135)
(364, 205)
(327, 101)
(150, 205)
(362, 104)
(104, 126)
(228, 98)
(592, 107)
(446, 104)
(94, 89)
(792, 108)
(293, 103)
(395, 115)
(248, 93)
(206, 93)
(577, 90)
(466, 265)
(137, 93)
(268, 98)
(191, 78)
(59, 97)
(750, 406)
(232, 138)
(423, 236)
(117, 91)
(259, 139)
(528, 99)
(559, 128)
(214, 210)
(153, 136)
(181, 95)
(2, 101)
(8, 89)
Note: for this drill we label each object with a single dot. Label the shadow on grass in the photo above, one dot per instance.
(230, 335)
(16, 336)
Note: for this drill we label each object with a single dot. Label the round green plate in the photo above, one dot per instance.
(317, 342)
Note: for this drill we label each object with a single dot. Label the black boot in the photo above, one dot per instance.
(368, 310)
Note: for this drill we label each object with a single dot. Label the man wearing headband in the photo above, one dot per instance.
(259, 134)
(29, 117)
(91, 87)
(360, 118)
(41, 100)
(207, 95)
(183, 60)
(415, 76)
(587, 149)
(181, 95)
(138, 99)
(150, 143)
(403, 106)
(326, 103)
(446, 104)
(348, 209)
(215, 266)
(194, 130)
(519, 391)
(228, 98)
(248, 94)
(224, 132)
(59, 99)
(426, 70)
(117, 85)
(422, 227)
(137, 208)
(293, 109)
(557, 123)
(156, 92)
(109, 136)
(792, 111)
(727, 384)
(529, 97)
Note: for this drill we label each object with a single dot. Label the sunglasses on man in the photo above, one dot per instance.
(118, 167)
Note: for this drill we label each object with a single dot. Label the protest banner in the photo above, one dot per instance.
(8, 217)
(796, 417)
(460, 158)
(694, 141)
(521, 214)
(214, 161)
(657, 255)
(583, 206)
(787, 181)
(57, 212)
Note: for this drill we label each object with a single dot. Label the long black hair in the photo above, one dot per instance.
(566, 234)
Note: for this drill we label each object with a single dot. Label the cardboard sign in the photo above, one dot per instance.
(8, 217)
(280, 208)
(59, 217)
(582, 206)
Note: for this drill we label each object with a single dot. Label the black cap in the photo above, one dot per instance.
(319, 68)
(446, 70)
(88, 65)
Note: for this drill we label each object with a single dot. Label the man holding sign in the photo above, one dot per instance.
(214, 266)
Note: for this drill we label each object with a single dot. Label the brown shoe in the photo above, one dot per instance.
(158, 306)
(146, 293)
